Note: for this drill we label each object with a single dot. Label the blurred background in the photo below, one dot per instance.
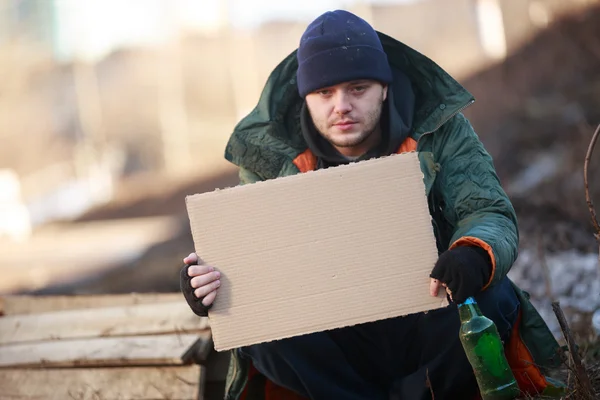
(111, 112)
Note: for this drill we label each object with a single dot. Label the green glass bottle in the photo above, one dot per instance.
(483, 347)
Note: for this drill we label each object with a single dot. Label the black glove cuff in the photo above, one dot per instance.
(195, 303)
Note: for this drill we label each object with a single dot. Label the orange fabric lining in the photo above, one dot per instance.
(528, 376)
(473, 241)
(251, 373)
(306, 161)
(408, 145)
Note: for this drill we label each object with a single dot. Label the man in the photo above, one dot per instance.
(349, 94)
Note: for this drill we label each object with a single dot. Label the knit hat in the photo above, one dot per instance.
(338, 47)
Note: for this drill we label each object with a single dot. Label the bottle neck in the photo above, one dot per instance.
(468, 310)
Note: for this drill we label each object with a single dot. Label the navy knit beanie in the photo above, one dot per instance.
(338, 47)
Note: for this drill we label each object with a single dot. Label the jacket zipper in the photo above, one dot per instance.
(440, 240)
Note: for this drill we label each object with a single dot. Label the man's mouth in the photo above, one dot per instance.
(345, 125)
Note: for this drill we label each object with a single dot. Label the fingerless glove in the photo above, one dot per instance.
(194, 302)
(465, 270)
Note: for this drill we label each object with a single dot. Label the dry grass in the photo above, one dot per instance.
(591, 363)
(590, 352)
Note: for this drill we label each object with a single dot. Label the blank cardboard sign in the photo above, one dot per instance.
(317, 251)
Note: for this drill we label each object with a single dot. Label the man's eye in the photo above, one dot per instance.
(359, 89)
(324, 92)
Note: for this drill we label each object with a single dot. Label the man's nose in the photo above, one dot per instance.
(342, 103)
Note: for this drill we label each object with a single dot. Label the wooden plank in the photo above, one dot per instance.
(141, 319)
(137, 383)
(14, 304)
(121, 351)
(198, 352)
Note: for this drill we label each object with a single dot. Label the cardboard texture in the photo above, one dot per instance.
(317, 251)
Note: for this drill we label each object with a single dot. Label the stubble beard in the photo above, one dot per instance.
(346, 140)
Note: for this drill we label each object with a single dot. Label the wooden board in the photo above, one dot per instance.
(13, 304)
(132, 320)
(174, 383)
(133, 350)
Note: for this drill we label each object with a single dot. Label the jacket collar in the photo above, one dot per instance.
(270, 135)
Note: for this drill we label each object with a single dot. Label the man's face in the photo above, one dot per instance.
(347, 114)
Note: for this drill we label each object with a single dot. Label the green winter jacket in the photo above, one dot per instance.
(464, 193)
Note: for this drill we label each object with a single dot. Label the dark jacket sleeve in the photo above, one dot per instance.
(474, 202)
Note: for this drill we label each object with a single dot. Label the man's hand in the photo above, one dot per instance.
(435, 286)
(199, 283)
(463, 271)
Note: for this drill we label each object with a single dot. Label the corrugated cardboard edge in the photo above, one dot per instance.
(298, 175)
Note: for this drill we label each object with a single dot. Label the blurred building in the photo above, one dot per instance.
(92, 29)
(27, 20)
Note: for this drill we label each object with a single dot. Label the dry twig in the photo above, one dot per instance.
(428, 383)
(581, 374)
(588, 199)
(544, 265)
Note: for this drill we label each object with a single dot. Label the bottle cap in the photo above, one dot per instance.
(469, 300)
